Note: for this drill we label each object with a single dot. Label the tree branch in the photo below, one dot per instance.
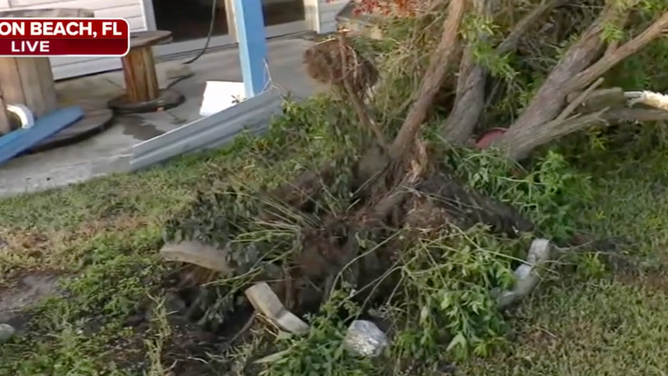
(634, 114)
(611, 59)
(512, 41)
(431, 82)
(579, 100)
(470, 92)
(529, 138)
(523, 143)
(541, 118)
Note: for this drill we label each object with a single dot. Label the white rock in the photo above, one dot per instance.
(364, 338)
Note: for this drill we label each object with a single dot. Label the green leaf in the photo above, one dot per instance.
(458, 340)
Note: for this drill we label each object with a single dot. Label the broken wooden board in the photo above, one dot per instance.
(267, 303)
(197, 253)
(527, 275)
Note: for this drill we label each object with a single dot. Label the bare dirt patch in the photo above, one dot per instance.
(29, 289)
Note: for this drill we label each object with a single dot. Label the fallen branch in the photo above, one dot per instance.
(648, 98)
(579, 100)
(549, 100)
(524, 141)
(470, 100)
(518, 142)
(634, 115)
(546, 119)
(599, 99)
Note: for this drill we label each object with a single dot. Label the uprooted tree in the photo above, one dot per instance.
(400, 185)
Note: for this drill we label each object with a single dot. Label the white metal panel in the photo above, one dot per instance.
(254, 114)
(327, 11)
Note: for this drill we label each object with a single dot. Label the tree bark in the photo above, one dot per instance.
(470, 94)
(545, 119)
(431, 82)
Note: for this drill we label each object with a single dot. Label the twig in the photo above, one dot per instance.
(517, 146)
(612, 47)
(578, 100)
(558, 128)
(612, 97)
(244, 329)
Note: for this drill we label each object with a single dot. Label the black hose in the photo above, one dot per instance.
(212, 25)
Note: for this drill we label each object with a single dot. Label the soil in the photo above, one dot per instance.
(30, 289)
(187, 345)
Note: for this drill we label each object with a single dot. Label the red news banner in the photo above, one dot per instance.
(64, 37)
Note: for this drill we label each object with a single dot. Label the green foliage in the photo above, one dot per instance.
(550, 193)
(482, 34)
(321, 351)
(449, 310)
(305, 136)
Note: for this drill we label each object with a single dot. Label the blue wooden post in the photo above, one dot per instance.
(252, 45)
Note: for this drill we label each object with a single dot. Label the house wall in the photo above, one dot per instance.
(327, 11)
(320, 13)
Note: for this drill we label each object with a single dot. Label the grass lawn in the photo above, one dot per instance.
(613, 325)
(102, 238)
